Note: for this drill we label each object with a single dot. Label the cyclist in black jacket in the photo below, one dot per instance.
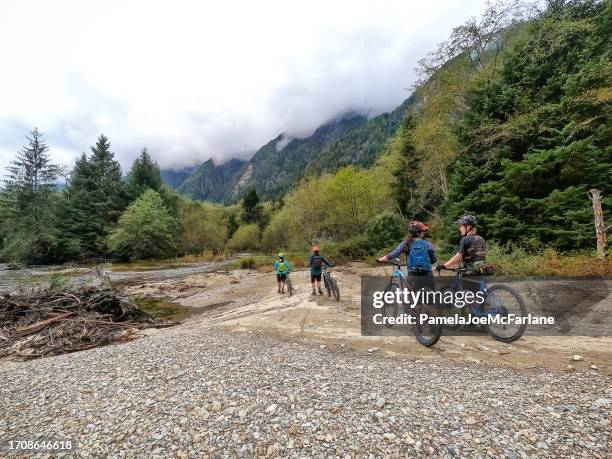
(472, 249)
(316, 263)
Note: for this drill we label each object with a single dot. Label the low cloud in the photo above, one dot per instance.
(193, 81)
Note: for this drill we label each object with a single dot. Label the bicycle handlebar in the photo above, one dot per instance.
(390, 262)
(457, 270)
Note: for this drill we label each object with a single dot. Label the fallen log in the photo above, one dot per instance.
(23, 331)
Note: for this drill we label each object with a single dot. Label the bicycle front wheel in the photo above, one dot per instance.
(335, 289)
(391, 309)
(501, 302)
(289, 286)
(327, 283)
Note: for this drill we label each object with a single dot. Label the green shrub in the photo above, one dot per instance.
(204, 228)
(385, 229)
(58, 281)
(145, 230)
(279, 233)
(246, 237)
(247, 263)
(355, 248)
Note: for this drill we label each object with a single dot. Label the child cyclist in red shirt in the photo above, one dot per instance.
(316, 263)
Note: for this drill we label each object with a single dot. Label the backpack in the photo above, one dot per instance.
(281, 267)
(317, 262)
(418, 259)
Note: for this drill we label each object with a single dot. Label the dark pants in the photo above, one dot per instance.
(422, 279)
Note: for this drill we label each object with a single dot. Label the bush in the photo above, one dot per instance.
(355, 248)
(385, 229)
(512, 260)
(246, 237)
(145, 230)
(204, 228)
(58, 281)
(247, 263)
(279, 232)
(259, 262)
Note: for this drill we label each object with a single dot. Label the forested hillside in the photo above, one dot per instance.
(277, 166)
(175, 177)
(211, 182)
(528, 135)
(510, 121)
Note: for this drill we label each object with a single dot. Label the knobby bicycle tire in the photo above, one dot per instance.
(522, 306)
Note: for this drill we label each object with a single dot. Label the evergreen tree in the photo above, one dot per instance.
(407, 172)
(251, 207)
(32, 170)
(538, 136)
(232, 225)
(95, 199)
(144, 174)
(27, 204)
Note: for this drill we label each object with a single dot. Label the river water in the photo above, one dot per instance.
(121, 273)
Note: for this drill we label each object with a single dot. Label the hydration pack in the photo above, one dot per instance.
(317, 262)
(418, 259)
(282, 267)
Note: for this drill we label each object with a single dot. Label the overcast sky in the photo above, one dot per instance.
(193, 80)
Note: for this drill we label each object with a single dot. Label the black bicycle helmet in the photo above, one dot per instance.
(469, 220)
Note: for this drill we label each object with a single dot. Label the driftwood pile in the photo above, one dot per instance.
(44, 323)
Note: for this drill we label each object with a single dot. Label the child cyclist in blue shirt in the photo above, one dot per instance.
(420, 255)
(281, 268)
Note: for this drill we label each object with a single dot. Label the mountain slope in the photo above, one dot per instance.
(362, 145)
(277, 166)
(174, 178)
(210, 181)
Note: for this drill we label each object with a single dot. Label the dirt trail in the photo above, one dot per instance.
(246, 301)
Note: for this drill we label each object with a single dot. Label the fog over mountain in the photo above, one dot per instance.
(196, 80)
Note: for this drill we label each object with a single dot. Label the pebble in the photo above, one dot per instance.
(272, 408)
(291, 400)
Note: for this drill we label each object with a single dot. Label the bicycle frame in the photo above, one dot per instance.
(476, 310)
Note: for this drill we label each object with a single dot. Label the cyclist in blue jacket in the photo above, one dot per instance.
(420, 255)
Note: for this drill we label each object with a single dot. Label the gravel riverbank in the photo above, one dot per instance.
(189, 391)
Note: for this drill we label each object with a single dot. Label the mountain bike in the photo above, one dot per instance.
(500, 301)
(426, 331)
(330, 284)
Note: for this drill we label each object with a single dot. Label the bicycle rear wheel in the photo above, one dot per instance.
(502, 301)
(289, 286)
(426, 330)
(335, 289)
